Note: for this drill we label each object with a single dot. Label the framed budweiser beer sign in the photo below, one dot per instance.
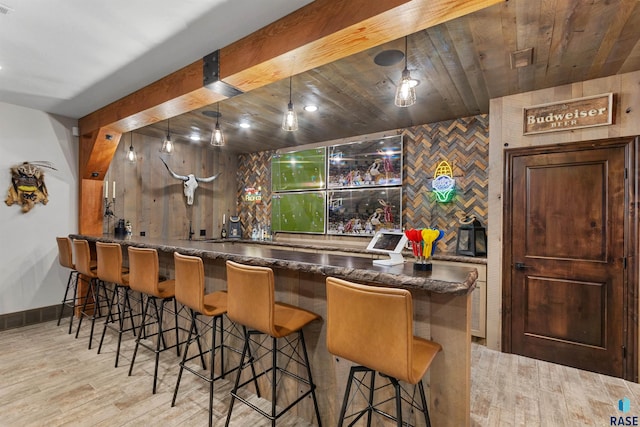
(566, 115)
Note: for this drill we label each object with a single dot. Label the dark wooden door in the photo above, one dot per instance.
(568, 257)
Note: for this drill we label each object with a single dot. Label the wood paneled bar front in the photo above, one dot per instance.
(442, 310)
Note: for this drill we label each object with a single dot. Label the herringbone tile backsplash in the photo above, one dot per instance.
(464, 143)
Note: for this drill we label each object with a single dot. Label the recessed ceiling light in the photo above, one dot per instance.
(311, 108)
(245, 125)
(194, 137)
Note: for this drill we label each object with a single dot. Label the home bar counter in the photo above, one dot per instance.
(441, 301)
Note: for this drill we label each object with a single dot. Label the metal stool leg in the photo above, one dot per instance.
(184, 358)
(396, 386)
(90, 291)
(65, 301)
(140, 334)
(237, 382)
(424, 404)
(161, 334)
(311, 383)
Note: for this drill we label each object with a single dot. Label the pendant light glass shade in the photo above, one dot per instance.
(290, 119)
(406, 91)
(217, 138)
(131, 154)
(167, 144)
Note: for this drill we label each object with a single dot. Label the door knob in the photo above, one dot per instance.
(520, 266)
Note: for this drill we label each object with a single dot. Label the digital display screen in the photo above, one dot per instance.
(298, 212)
(387, 242)
(298, 170)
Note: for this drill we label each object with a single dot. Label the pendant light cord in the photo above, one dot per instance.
(405, 52)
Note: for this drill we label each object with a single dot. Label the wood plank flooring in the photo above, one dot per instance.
(48, 378)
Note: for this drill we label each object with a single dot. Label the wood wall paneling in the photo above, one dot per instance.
(506, 132)
(154, 201)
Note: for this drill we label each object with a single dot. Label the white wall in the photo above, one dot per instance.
(30, 276)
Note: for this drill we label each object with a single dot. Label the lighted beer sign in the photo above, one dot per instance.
(252, 194)
(574, 114)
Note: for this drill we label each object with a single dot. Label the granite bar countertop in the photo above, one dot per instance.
(443, 279)
(349, 249)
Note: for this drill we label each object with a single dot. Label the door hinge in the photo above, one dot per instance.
(624, 263)
(626, 173)
(624, 352)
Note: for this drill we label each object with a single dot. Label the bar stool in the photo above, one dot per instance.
(110, 271)
(143, 278)
(65, 258)
(251, 304)
(373, 327)
(84, 267)
(190, 292)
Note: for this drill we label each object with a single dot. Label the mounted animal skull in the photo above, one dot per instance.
(190, 182)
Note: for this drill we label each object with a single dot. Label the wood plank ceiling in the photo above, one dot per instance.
(461, 65)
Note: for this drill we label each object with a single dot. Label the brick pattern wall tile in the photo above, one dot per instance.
(254, 170)
(464, 143)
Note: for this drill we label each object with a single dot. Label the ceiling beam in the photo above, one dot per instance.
(317, 34)
(327, 30)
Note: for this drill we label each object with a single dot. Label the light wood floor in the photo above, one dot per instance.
(47, 378)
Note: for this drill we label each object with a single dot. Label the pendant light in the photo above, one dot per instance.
(290, 120)
(406, 92)
(217, 138)
(167, 144)
(132, 157)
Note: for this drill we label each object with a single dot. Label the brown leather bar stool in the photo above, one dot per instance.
(110, 271)
(190, 292)
(65, 258)
(143, 278)
(251, 303)
(96, 292)
(373, 327)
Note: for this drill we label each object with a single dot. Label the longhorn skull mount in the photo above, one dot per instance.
(190, 182)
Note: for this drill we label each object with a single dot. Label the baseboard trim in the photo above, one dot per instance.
(30, 317)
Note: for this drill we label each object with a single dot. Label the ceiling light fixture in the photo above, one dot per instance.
(217, 138)
(167, 144)
(132, 157)
(245, 125)
(310, 108)
(290, 120)
(406, 91)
